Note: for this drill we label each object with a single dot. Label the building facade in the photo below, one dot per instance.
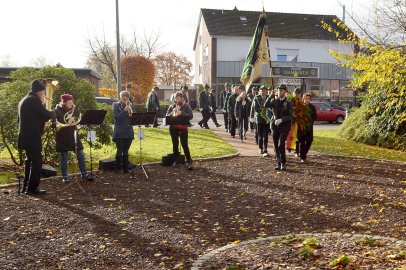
(299, 50)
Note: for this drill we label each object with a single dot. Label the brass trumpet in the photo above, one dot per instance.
(176, 111)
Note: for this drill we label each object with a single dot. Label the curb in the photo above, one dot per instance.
(197, 264)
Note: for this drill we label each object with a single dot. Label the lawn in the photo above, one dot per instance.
(157, 143)
(327, 142)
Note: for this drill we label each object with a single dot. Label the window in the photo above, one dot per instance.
(281, 57)
(324, 107)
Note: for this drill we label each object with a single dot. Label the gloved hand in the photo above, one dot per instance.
(201, 109)
(252, 120)
(278, 122)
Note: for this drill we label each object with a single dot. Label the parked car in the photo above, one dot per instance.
(327, 113)
(106, 100)
(332, 104)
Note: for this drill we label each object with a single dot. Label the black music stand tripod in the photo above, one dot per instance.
(92, 118)
(139, 119)
(181, 121)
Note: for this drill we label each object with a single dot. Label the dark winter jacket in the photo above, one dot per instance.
(204, 100)
(243, 111)
(212, 102)
(226, 97)
(122, 122)
(64, 137)
(281, 109)
(257, 104)
(231, 101)
(32, 116)
(152, 102)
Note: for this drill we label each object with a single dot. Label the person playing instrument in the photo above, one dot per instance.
(32, 116)
(242, 113)
(180, 109)
(153, 104)
(123, 130)
(65, 139)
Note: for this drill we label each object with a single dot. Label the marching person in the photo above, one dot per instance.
(123, 130)
(305, 136)
(242, 113)
(213, 107)
(32, 116)
(262, 120)
(204, 106)
(282, 117)
(153, 104)
(231, 101)
(223, 98)
(251, 94)
(180, 109)
(65, 139)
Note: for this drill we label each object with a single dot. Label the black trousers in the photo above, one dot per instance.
(205, 117)
(263, 130)
(225, 120)
(279, 135)
(243, 124)
(122, 145)
(183, 134)
(32, 170)
(213, 117)
(233, 125)
(305, 141)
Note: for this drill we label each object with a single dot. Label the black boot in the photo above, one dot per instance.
(125, 164)
(278, 166)
(118, 164)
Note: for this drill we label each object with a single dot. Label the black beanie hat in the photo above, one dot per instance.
(37, 86)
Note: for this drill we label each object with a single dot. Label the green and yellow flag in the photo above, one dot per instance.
(257, 54)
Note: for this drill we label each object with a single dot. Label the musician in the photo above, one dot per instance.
(65, 140)
(242, 113)
(223, 98)
(153, 104)
(180, 109)
(204, 107)
(281, 121)
(213, 107)
(32, 116)
(123, 130)
(262, 120)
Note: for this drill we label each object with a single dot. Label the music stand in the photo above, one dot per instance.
(92, 118)
(138, 119)
(180, 120)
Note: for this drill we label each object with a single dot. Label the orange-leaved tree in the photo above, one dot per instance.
(138, 71)
(108, 92)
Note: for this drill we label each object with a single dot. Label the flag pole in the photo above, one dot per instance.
(268, 49)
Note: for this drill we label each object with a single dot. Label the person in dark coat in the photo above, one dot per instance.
(305, 136)
(179, 108)
(281, 121)
(223, 98)
(262, 120)
(213, 107)
(123, 130)
(231, 101)
(65, 140)
(32, 116)
(242, 113)
(204, 107)
(153, 104)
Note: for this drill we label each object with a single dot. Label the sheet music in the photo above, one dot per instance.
(91, 136)
(141, 134)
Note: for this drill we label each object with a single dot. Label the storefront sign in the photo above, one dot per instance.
(290, 81)
(297, 72)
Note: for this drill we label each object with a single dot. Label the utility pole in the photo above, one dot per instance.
(118, 52)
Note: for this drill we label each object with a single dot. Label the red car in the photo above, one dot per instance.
(326, 113)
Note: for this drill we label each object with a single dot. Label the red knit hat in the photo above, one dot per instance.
(66, 97)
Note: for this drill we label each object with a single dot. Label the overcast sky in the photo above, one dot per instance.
(58, 29)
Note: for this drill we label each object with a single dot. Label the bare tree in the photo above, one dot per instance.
(5, 61)
(40, 61)
(386, 24)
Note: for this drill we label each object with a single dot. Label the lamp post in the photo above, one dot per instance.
(118, 52)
